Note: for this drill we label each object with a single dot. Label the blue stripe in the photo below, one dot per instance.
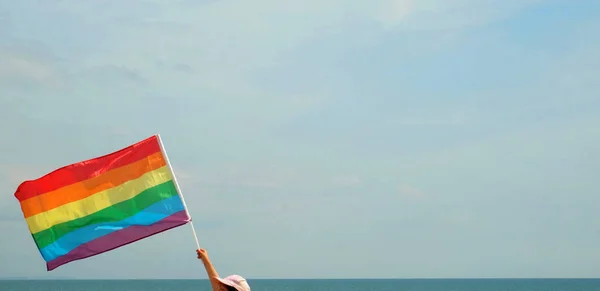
(148, 216)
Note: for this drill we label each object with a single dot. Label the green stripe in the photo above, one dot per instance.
(113, 213)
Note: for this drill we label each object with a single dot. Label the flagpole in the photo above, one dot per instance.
(164, 152)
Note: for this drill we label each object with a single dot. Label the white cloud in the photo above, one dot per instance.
(446, 15)
(408, 191)
(575, 74)
(14, 66)
(347, 181)
(220, 57)
(394, 12)
(247, 176)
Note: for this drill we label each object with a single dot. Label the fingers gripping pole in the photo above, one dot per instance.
(164, 152)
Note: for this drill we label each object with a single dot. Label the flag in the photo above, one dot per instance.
(94, 206)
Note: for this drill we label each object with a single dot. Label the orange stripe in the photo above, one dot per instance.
(83, 189)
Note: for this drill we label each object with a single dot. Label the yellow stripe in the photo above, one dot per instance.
(98, 201)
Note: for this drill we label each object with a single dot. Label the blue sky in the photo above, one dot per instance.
(320, 139)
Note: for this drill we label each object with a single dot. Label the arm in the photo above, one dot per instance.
(210, 270)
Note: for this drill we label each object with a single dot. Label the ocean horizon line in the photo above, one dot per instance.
(296, 279)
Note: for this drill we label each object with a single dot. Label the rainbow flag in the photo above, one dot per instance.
(94, 206)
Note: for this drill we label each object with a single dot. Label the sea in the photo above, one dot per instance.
(311, 285)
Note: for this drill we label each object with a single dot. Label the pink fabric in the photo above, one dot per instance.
(235, 281)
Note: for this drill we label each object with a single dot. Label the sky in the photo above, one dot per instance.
(319, 139)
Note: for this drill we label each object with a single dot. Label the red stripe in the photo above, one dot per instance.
(118, 239)
(84, 170)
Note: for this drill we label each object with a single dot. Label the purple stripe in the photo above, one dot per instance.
(118, 239)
